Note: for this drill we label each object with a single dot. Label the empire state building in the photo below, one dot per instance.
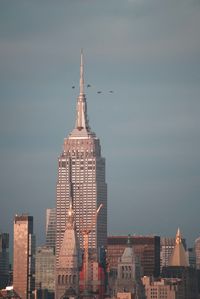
(81, 179)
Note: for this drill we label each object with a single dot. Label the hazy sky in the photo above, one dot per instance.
(148, 52)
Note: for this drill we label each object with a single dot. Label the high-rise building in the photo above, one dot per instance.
(191, 256)
(179, 268)
(51, 228)
(81, 176)
(167, 245)
(146, 247)
(197, 252)
(4, 260)
(45, 269)
(23, 259)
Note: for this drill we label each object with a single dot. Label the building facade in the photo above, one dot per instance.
(197, 252)
(179, 268)
(128, 275)
(45, 269)
(23, 257)
(67, 269)
(191, 256)
(51, 228)
(4, 260)
(81, 177)
(146, 248)
(167, 245)
(163, 288)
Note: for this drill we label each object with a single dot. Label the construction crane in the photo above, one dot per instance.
(85, 232)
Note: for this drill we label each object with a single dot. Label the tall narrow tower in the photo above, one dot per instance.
(23, 262)
(67, 269)
(81, 176)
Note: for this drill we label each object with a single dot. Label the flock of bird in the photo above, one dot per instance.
(99, 91)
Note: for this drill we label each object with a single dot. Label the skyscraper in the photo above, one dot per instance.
(167, 245)
(4, 260)
(197, 251)
(23, 263)
(45, 269)
(81, 177)
(179, 268)
(51, 228)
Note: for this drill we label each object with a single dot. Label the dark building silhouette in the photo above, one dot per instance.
(4, 260)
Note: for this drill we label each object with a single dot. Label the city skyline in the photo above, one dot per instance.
(148, 55)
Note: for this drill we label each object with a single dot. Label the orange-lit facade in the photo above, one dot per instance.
(23, 263)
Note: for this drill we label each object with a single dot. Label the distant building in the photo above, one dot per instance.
(4, 260)
(197, 252)
(129, 275)
(67, 268)
(81, 175)
(96, 279)
(191, 256)
(163, 288)
(45, 269)
(167, 245)
(23, 258)
(179, 268)
(146, 247)
(51, 228)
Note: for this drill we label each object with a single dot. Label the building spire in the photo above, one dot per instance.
(178, 257)
(81, 108)
(81, 75)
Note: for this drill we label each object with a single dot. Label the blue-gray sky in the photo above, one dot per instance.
(148, 52)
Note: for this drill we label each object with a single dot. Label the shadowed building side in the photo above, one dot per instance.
(4, 260)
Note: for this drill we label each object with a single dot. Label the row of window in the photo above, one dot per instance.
(66, 279)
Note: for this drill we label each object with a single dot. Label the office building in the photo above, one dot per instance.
(81, 177)
(128, 279)
(23, 257)
(4, 260)
(45, 269)
(197, 252)
(179, 268)
(163, 288)
(191, 256)
(167, 245)
(146, 247)
(51, 228)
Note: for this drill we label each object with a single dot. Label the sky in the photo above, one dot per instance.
(148, 53)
